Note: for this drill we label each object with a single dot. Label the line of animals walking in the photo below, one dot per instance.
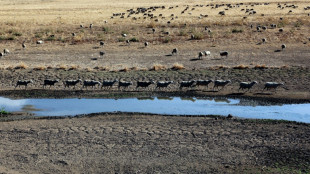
(108, 84)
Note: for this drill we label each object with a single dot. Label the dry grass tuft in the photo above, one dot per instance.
(62, 67)
(74, 67)
(89, 69)
(101, 68)
(260, 66)
(241, 67)
(158, 67)
(177, 66)
(40, 68)
(126, 69)
(22, 65)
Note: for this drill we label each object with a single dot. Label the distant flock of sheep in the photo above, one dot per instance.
(108, 84)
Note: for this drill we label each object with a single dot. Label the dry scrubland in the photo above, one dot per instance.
(135, 143)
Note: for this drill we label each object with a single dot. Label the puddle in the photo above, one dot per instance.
(161, 105)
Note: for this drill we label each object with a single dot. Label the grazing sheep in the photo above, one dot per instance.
(73, 83)
(124, 35)
(101, 53)
(200, 54)
(146, 44)
(81, 26)
(1, 54)
(40, 42)
(203, 83)
(90, 26)
(222, 83)
(283, 46)
(124, 84)
(153, 29)
(23, 83)
(91, 83)
(6, 51)
(128, 42)
(108, 84)
(207, 53)
(281, 30)
(223, 53)
(247, 85)
(186, 84)
(49, 82)
(24, 45)
(163, 84)
(264, 40)
(144, 84)
(222, 13)
(272, 85)
(174, 51)
(73, 34)
(101, 43)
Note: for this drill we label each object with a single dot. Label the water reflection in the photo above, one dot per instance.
(171, 105)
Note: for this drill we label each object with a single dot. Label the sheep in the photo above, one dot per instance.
(163, 84)
(203, 83)
(73, 83)
(90, 26)
(1, 54)
(222, 83)
(146, 44)
(144, 84)
(24, 45)
(153, 29)
(108, 84)
(23, 83)
(207, 53)
(101, 43)
(246, 85)
(281, 30)
(124, 84)
(40, 42)
(49, 82)
(222, 13)
(264, 40)
(223, 53)
(272, 85)
(101, 53)
(73, 34)
(124, 35)
(91, 83)
(283, 46)
(186, 84)
(174, 51)
(6, 51)
(200, 54)
(128, 42)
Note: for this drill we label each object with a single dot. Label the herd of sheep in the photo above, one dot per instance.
(107, 84)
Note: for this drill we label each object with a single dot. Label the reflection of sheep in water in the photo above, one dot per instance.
(222, 83)
(23, 83)
(272, 85)
(73, 83)
(247, 85)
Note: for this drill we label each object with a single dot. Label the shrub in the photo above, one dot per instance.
(22, 65)
(3, 111)
(157, 67)
(177, 66)
(134, 39)
(121, 39)
(167, 39)
(241, 67)
(197, 36)
(236, 30)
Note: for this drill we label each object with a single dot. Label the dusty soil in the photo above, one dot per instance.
(136, 143)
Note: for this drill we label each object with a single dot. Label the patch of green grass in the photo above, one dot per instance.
(121, 39)
(167, 39)
(3, 111)
(236, 30)
(134, 39)
(197, 35)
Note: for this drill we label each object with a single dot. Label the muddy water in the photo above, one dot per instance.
(171, 106)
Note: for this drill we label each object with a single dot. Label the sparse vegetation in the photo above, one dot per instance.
(177, 66)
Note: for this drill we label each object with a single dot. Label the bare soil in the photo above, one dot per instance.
(137, 143)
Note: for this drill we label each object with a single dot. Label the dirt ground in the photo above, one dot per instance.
(136, 143)
(139, 143)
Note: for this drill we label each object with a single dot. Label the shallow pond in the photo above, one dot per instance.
(170, 106)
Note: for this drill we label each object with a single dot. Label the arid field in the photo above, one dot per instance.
(133, 40)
